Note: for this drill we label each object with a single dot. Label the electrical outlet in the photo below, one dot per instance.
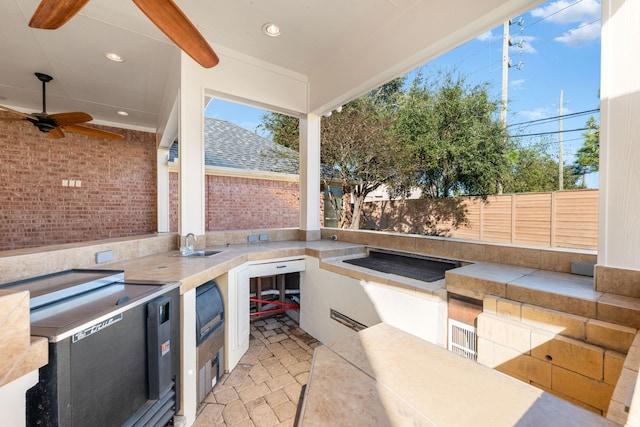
(72, 183)
(78, 183)
(104, 256)
(65, 183)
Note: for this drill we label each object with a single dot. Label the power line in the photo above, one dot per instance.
(532, 46)
(549, 133)
(564, 116)
(554, 13)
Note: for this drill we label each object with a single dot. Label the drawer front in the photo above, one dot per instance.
(278, 267)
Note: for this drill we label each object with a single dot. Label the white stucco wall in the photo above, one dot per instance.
(237, 77)
(619, 228)
(368, 303)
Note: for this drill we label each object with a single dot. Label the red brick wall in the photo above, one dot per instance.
(117, 196)
(234, 203)
(243, 203)
(174, 191)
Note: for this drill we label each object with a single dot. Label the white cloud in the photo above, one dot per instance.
(586, 13)
(537, 114)
(517, 84)
(580, 35)
(569, 12)
(488, 36)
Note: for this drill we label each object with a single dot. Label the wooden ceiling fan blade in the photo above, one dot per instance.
(18, 113)
(56, 133)
(11, 119)
(174, 23)
(64, 119)
(92, 132)
(52, 14)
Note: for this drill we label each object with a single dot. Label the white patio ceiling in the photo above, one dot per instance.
(343, 47)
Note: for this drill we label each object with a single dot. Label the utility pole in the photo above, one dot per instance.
(505, 72)
(506, 64)
(560, 161)
(505, 85)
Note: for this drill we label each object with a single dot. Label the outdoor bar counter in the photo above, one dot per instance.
(386, 377)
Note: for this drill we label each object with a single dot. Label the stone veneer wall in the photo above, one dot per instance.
(589, 362)
(116, 198)
(576, 358)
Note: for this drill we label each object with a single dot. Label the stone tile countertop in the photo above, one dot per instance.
(386, 377)
(193, 271)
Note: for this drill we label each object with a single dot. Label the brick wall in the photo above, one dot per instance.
(117, 195)
(237, 203)
(243, 203)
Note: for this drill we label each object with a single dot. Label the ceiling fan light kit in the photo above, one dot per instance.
(165, 14)
(54, 124)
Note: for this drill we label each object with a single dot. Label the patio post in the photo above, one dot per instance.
(310, 177)
(619, 204)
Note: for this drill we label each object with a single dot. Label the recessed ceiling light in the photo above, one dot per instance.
(271, 29)
(123, 113)
(113, 57)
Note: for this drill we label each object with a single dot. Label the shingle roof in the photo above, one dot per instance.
(229, 145)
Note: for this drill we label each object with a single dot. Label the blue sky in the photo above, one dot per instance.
(558, 48)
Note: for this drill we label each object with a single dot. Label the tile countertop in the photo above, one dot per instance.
(389, 377)
(194, 271)
(547, 289)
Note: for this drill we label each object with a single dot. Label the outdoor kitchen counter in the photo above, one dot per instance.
(389, 377)
(194, 271)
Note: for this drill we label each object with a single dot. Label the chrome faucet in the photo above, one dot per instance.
(186, 242)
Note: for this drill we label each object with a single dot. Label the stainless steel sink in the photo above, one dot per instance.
(205, 253)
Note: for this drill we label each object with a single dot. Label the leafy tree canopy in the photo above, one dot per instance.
(588, 156)
(356, 146)
(533, 169)
(455, 144)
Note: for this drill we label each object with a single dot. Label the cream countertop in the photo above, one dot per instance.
(386, 377)
(194, 271)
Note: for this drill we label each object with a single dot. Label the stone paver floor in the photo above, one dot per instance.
(263, 390)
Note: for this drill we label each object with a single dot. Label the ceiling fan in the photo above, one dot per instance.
(168, 17)
(54, 124)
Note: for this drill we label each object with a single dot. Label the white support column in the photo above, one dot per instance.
(163, 189)
(619, 204)
(310, 177)
(188, 357)
(191, 217)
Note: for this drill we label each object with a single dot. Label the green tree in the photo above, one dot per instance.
(532, 169)
(588, 156)
(361, 149)
(282, 129)
(455, 141)
(357, 147)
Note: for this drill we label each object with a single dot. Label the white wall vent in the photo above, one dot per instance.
(463, 339)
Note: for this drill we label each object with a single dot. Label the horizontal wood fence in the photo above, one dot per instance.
(566, 219)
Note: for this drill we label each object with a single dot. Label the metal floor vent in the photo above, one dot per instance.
(463, 339)
(346, 320)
